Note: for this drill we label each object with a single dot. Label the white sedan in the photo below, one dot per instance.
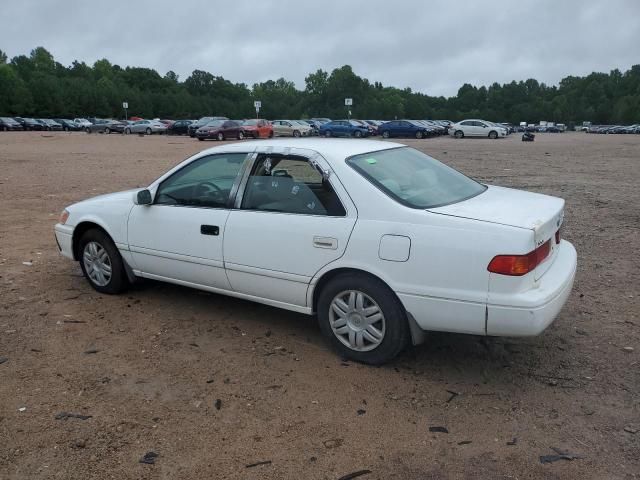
(379, 240)
(477, 128)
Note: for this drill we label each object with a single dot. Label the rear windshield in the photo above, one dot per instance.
(415, 179)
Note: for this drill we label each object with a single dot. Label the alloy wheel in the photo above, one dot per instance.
(357, 320)
(97, 263)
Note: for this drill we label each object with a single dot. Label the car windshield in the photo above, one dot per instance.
(214, 123)
(415, 179)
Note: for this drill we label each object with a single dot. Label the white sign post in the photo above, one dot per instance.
(257, 104)
(348, 102)
(125, 105)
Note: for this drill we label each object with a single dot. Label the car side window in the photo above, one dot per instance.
(290, 184)
(467, 124)
(205, 182)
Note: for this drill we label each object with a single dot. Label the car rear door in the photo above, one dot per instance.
(289, 222)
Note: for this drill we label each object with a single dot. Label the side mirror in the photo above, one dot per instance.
(143, 197)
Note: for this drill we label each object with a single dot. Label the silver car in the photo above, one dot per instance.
(147, 127)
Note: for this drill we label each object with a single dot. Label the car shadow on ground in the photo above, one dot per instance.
(449, 357)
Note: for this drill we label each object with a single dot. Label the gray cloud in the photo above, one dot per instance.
(427, 46)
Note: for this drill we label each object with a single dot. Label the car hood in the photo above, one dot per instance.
(117, 197)
(540, 213)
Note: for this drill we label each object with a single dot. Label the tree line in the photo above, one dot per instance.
(36, 85)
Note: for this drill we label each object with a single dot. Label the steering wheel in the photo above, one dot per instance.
(208, 189)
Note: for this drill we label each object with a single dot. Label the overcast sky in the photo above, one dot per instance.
(432, 47)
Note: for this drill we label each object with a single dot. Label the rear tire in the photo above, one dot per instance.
(357, 134)
(459, 134)
(327, 133)
(240, 135)
(296, 133)
(386, 134)
(127, 131)
(107, 130)
(88, 130)
(390, 333)
(220, 136)
(101, 263)
(148, 131)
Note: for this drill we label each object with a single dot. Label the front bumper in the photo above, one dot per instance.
(531, 312)
(64, 239)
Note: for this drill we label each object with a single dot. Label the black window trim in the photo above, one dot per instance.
(376, 185)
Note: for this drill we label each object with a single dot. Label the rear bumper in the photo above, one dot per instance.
(531, 312)
(64, 239)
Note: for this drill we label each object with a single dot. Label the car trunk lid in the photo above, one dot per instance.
(540, 213)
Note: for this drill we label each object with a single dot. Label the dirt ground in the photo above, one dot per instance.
(215, 384)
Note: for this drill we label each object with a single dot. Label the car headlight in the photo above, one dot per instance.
(64, 216)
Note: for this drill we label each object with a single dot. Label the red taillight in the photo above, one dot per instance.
(518, 265)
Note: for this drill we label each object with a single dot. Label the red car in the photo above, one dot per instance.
(258, 128)
(220, 130)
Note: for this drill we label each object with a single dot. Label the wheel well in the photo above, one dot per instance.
(330, 275)
(79, 231)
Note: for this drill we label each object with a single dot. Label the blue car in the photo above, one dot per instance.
(343, 128)
(404, 128)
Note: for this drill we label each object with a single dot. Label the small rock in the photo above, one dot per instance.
(581, 332)
(28, 264)
(630, 429)
(218, 404)
(22, 409)
(91, 350)
(80, 443)
(628, 349)
(333, 443)
(552, 382)
(149, 458)
(438, 429)
(3, 359)
(361, 411)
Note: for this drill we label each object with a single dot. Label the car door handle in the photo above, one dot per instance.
(325, 242)
(209, 230)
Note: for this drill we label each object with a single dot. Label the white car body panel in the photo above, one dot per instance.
(477, 131)
(434, 260)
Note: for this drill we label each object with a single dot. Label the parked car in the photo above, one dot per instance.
(148, 127)
(289, 128)
(343, 128)
(321, 120)
(257, 128)
(371, 129)
(29, 123)
(403, 128)
(68, 125)
(7, 123)
(50, 125)
(83, 122)
(220, 130)
(380, 241)
(105, 126)
(179, 127)
(476, 128)
(201, 123)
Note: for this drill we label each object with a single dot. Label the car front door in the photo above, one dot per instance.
(290, 221)
(179, 236)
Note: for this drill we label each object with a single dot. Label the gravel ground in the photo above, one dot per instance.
(214, 385)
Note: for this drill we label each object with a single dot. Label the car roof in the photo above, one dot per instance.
(332, 149)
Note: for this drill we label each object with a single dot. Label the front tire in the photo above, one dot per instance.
(419, 135)
(459, 134)
(220, 136)
(296, 133)
(148, 131)
(386, 134)
(357, 134)
(363, 319)
(127, 131)
(327, 133)
(101, 263)
(107, 130)
(88, 130)
(493, 135)
(240, 135)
